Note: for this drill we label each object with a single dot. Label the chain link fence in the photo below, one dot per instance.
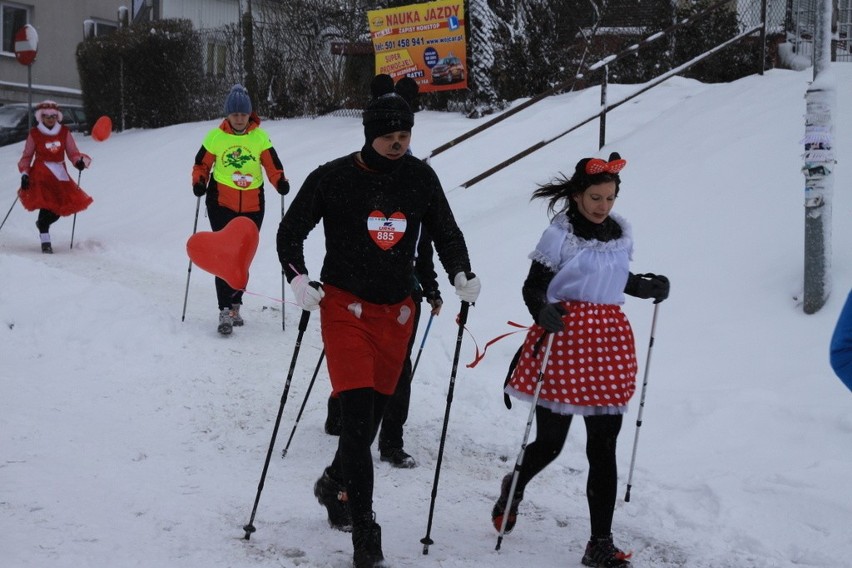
(800, 28)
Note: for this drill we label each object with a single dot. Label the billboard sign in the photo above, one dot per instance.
(423, 41)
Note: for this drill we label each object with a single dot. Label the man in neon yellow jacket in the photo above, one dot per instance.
(235, 153)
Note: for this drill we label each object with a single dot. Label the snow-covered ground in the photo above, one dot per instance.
(130, 438)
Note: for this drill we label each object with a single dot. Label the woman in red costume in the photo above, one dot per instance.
(45, 183)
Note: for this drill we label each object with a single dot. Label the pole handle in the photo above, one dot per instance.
(303, 321)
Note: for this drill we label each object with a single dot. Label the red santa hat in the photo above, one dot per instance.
(47, 107)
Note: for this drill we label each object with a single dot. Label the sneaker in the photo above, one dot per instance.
(226, 322)
(602, 553)
(46, 248)
(398, 457)
(500, 506)
(236, 319)
(331, 494)
(367, 545)
(333, 425)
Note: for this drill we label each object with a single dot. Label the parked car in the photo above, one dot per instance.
(14, 126)
(14, 123)
(74, 117)
(448, 70)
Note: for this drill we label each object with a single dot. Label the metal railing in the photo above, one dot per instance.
(603, 66)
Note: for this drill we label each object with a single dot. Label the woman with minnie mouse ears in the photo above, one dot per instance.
(574, 290)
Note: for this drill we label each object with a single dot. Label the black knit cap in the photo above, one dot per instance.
(390, 108)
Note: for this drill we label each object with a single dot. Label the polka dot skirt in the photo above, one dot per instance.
(592, 362)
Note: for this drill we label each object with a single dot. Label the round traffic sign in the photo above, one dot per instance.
(26, 45)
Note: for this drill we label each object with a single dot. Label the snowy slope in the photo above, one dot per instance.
(130, 438)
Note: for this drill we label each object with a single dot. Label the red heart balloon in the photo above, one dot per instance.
(102, 129)
(227, 253)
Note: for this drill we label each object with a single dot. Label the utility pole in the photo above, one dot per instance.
(819, 163)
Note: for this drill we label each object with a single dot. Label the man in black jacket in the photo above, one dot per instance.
(372, 204)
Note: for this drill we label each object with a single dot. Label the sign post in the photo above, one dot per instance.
(26, 51)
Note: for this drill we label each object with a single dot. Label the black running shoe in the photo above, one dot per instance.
(398, 457)
(331, 494)
(602, 553)
(500, 506)
(367, 545)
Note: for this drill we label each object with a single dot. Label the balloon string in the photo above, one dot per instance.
(279, 300)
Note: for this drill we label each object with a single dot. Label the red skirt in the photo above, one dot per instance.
(365, 344)
(592, 362)
(47, 191)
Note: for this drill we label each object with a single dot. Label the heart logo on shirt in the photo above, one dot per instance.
(386, 231)
(242, 180)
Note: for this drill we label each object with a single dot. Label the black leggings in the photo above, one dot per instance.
(602, 483)
(46, 218)
(396, 412)
(360, 414)
(219, 217)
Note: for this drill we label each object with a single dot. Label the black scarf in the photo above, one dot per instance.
(609, 230)
(377, 162)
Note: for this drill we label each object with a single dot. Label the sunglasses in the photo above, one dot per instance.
(50, 116)
(598, 166)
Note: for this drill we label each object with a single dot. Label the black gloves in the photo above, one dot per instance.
(199, 188)
(25, 181)
(550, 318)
(648, 286)
(80, 164)
(433, 298)
(283, 186)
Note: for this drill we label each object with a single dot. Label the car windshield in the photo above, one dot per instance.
(11, 116)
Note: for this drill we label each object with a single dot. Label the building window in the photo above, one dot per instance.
(104, 28)
(215, 64)
(12, 18)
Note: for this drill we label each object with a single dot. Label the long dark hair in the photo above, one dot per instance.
(562, 188)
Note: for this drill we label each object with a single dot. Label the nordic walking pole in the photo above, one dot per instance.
(189, 269)
(74, 224)
(422, 343)
(283, 281)
(304, 402)
(520, 459)
(641, 403)
(427, 540)
(303, 324)
(9, 213)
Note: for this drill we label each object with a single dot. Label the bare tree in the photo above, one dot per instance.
(296, 66)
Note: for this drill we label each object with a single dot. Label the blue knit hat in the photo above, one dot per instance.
(238, 101)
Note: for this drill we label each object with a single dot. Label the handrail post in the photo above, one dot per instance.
(604, 83)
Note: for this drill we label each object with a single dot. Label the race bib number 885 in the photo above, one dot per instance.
(386, 231)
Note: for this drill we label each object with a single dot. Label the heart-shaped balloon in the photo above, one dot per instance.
(102, 129)
(226, 253)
